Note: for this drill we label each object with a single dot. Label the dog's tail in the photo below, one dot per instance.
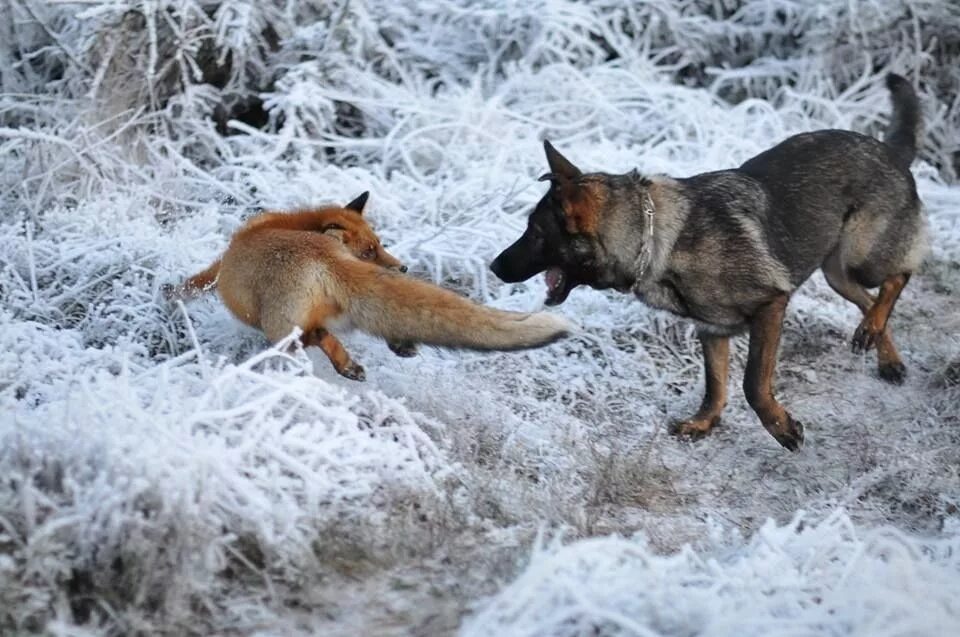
(905, 128)
(400, 308)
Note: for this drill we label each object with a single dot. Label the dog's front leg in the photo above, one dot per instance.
(716, 363)
(765, 328)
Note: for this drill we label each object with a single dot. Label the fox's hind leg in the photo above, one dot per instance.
(889, 364)
(716, 363)
(279, 322)
(335, 351)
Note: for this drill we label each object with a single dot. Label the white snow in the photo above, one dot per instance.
(795, 579)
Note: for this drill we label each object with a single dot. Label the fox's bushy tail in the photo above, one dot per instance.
(906, 126)
(400, 308)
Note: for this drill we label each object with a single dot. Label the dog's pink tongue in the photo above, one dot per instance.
(554, 278)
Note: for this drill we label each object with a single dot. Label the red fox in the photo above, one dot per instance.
(320, 269)
(347, 224)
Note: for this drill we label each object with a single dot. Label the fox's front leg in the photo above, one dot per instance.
(406, 349)
(334, 350)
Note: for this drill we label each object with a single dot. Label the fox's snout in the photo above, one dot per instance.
(388, 261)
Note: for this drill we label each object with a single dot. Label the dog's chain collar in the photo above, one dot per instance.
(646, 250)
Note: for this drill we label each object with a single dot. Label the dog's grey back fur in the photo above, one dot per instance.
(826, 182)
(769, 224)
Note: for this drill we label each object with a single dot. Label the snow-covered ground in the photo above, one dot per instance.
(163, 471)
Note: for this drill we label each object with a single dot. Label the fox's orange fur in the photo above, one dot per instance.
(280, 271)
(347, 224)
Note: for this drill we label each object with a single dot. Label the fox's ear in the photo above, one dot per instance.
(560, 166)
(357, 204)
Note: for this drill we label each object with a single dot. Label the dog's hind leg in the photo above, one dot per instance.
(889, 364)
(716, 363)
(874, 323)
(765, 328)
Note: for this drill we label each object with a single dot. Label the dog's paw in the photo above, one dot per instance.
(353, 371)
(405, 349)
(894, 373)
(866, 337)
(789, 434)
(694, 428)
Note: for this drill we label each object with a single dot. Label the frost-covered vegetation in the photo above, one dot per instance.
(162, 471)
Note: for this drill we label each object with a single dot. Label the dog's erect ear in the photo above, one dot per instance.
(560, 166)
(357, 204)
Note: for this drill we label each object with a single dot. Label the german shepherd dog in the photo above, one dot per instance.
(728, 248)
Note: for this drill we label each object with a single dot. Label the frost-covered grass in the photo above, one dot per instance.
(830, 578)
(163, 471)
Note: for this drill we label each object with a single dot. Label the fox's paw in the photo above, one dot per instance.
(353, 371)
(694, 428)
(866, 337)
(405, 349)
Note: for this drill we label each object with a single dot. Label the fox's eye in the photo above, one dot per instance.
(368, 254)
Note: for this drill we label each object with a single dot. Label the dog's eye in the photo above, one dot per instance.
(583, 250)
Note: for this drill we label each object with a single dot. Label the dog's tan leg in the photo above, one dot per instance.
(335, 351)
(716, 363)
(874, 323)
(765, 328)
(890, 366)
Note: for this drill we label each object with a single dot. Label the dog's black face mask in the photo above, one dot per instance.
(545, 245)
(560, 237)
